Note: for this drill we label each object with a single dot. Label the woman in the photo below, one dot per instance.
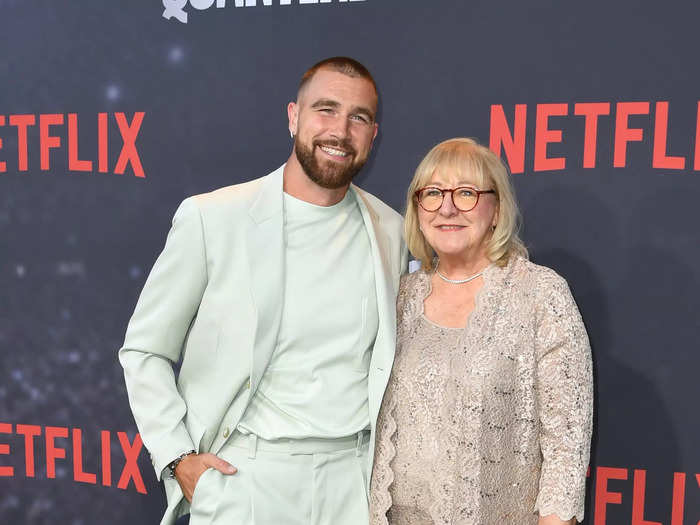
(487, 416)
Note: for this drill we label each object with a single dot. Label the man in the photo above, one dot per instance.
(278, 296)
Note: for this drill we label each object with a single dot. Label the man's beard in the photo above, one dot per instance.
(331, 175)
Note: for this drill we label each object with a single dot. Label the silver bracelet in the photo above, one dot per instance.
(174, 463)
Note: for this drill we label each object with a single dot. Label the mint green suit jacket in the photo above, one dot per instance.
(213, 300)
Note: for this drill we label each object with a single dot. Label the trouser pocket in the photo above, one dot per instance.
(206, 497)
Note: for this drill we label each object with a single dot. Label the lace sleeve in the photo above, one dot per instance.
(565, 394)
(409, 302)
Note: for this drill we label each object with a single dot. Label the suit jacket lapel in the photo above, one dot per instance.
(384, 345)
(265, 240)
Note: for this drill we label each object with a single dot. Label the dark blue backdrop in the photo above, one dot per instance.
(75, 247)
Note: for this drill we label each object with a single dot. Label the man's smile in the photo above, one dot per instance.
(334, 152)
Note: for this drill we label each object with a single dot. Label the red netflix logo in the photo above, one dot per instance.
(56, 450)
(48, 141)
(512, 138)
(605, 496)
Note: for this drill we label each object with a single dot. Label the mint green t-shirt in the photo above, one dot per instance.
(316, 382)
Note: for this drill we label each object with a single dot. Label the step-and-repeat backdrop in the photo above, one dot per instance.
(112, 112)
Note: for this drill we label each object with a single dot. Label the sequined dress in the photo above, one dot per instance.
(489, 424)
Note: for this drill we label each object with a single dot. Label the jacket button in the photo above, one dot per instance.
(226, 432)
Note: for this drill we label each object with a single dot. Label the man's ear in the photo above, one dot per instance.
(293, 115)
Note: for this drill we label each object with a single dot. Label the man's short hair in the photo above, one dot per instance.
(345, 65)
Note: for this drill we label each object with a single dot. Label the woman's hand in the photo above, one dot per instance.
(553, 519)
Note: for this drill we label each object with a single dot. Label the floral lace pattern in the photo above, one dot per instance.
(508, 435)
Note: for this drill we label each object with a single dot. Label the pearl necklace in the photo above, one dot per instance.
(456, 281)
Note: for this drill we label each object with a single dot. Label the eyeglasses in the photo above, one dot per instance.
(465, 198)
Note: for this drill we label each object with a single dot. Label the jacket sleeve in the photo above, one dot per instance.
(156, 334)
(565, 400)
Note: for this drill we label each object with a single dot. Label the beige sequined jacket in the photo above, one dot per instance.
(517, 427)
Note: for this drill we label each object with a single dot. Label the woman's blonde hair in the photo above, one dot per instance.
(467, 159)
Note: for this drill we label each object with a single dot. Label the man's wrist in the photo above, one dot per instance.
(174, 463)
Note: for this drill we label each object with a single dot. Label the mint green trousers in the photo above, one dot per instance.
(306, 483)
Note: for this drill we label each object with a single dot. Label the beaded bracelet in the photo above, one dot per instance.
(174, 463)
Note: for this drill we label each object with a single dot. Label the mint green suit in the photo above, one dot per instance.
(213, 300)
